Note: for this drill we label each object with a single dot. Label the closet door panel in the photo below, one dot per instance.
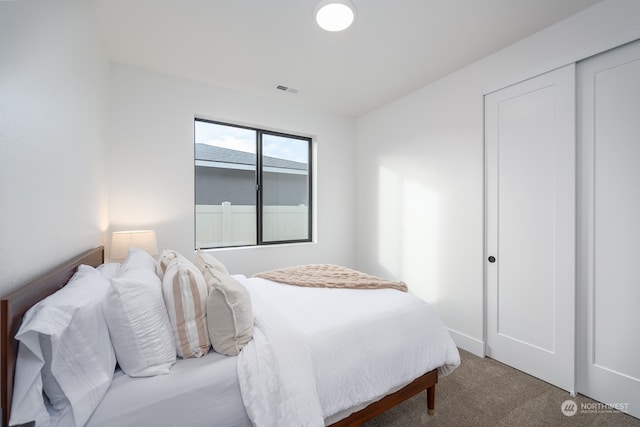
(530, 225)
(609, 219)
(617, 215)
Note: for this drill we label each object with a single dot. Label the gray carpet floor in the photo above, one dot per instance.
(484, 392)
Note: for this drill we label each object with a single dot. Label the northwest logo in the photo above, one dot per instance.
(569, 408)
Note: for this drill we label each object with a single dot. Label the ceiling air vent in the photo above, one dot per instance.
(286, 89)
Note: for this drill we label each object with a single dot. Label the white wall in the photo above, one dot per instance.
(151, 165)
(54, 77)
(420, 171)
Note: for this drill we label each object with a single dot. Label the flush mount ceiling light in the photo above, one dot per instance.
(335, 15)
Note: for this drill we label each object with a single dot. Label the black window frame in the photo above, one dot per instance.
(259, 184)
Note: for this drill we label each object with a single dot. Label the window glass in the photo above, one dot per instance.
(285, 188)
(251, 186)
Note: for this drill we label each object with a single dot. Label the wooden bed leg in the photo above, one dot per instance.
(431, 399)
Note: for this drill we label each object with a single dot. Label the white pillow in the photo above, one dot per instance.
(138, 259)
(110, 270)
(185, 295)
(229, 313)
(53, 391)
(139, 325)
(81, 357)
(203, 259)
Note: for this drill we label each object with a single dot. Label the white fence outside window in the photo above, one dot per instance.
(235, 225)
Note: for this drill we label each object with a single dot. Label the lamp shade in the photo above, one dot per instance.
(141, 239)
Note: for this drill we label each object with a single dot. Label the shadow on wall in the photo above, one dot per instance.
(407, 231)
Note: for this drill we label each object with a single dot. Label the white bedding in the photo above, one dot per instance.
(359, 345)
(197, 392)
(316, 356)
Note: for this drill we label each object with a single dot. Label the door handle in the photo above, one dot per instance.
(492, 259)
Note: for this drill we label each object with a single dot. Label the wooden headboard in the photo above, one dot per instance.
(13, 307)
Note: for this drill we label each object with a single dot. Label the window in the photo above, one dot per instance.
(252, 186)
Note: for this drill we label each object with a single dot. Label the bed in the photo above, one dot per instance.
(120, 402)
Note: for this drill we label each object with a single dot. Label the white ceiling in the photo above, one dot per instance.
(393, 48)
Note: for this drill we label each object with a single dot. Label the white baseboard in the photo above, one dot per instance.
(465, 342)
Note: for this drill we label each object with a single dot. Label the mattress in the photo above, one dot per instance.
(197, 392)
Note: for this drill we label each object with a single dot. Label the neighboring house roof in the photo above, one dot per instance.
(225, 155)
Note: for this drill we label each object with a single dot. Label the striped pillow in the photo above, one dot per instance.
(185, 295)
(165, 258)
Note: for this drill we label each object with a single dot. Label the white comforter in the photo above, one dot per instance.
(317, 352)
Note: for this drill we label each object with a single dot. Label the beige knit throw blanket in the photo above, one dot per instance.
(329, 276)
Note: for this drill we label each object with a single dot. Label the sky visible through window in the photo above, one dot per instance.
(242, 139)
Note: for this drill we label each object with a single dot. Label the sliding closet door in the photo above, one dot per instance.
(609, 227)
(530, 226)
